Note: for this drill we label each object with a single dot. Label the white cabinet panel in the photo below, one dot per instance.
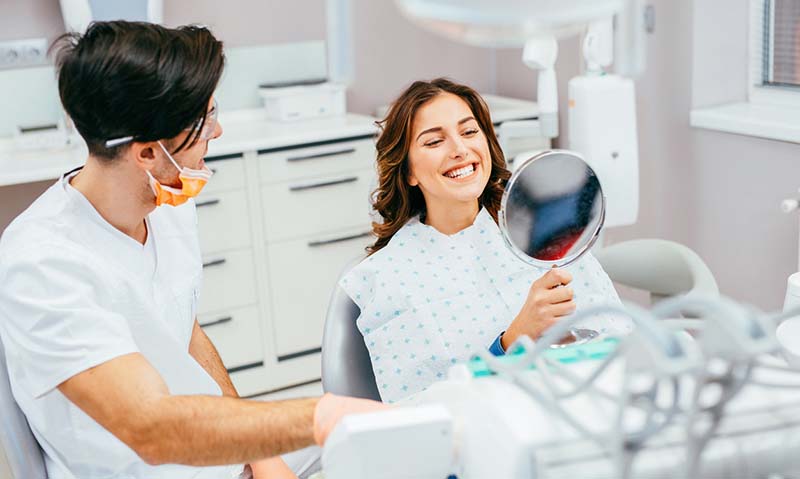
(299, 163)
(303, 274)
(229, 281)
(228, 175)
(223, 220)
(310, 207)
(236, 333)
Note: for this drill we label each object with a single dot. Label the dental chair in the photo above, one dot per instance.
(662, 268)
(346, 367)
(20, 454)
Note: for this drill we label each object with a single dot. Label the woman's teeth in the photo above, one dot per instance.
(461, 172)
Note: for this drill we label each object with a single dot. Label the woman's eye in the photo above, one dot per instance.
(470, 132)
(433, 142)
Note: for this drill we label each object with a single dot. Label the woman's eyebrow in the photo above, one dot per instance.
(439, 128)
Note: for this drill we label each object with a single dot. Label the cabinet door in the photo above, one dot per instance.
(315, 161)
(223, 220)
(303, 274)
(228, 175)
(310, 207)
(229, 281)
(236, 333)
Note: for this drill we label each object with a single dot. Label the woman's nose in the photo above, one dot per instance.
(460, 149)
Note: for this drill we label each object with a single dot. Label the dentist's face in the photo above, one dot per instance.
(449, 156)
(193, 157)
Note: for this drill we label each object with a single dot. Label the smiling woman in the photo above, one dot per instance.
(416, 154)
(439, 283)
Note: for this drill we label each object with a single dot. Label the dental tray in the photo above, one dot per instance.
(591, 351)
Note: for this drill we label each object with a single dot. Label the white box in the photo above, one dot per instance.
(303, 101)
(602, 128)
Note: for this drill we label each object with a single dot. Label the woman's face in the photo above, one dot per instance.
(449, 156)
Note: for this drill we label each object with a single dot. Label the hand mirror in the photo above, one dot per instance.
(552, 212)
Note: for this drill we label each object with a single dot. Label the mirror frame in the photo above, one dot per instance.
(501, 215)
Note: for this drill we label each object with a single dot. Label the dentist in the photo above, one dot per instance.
(100, 277)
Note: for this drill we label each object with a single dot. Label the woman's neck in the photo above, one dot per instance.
(451, 218)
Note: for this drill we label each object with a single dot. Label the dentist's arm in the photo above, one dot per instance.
(203, 351)
(127, 396)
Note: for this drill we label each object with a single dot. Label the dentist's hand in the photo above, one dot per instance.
(549, 299)
(331, 409)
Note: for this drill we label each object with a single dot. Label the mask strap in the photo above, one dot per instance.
(170, 156)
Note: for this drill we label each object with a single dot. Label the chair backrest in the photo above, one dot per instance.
(23, 455)
(662, 268)
(346, 365)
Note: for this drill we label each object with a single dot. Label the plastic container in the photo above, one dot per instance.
(288, 103)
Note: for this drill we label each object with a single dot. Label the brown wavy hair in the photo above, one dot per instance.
(395, 199)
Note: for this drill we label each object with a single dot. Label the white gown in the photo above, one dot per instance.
(429, 300)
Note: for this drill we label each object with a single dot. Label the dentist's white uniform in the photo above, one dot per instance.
(76, 292)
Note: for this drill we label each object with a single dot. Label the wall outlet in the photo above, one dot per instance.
(23, 53)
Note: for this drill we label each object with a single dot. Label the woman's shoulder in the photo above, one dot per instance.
(361, 281)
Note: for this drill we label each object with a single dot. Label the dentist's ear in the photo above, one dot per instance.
(144, 155)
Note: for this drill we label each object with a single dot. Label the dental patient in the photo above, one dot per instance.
(439, 283)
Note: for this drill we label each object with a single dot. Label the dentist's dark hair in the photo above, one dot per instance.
(137, 79)
(395, 199)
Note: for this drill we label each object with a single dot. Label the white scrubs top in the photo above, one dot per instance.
(77, 292)
(430, 300)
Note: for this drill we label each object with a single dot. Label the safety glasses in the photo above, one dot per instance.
(209, 126)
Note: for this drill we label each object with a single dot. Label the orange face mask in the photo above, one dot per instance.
(192, 182)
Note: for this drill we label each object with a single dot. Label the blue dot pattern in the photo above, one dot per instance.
(430, 300)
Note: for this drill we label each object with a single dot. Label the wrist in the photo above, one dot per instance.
(507, 339)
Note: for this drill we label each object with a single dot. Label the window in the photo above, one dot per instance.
(772, 107)
(775, 51)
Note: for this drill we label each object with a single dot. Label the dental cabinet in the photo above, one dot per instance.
(286, 210)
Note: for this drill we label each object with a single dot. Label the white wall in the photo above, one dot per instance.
(738, 181)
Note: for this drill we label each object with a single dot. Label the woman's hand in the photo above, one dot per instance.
(548, 300)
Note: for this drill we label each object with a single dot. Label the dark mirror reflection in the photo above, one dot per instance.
(554, 208)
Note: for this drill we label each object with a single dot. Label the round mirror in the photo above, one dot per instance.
(552, 212)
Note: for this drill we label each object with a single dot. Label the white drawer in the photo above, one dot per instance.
(229, 281)
(229, 174)
(223, 221)
(236, 334)
(328, 159)
(303, 274)
(309, 207)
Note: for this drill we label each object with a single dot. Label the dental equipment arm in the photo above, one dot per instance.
(540, 53)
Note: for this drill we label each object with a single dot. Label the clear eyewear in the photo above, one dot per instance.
(209, 127)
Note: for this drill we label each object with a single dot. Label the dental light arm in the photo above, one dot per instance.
(540, 53)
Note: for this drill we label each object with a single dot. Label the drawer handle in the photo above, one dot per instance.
(215, 262)
(213, 202)
(326, 154)
(315, 244)
(226, 319)
(349, 179)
